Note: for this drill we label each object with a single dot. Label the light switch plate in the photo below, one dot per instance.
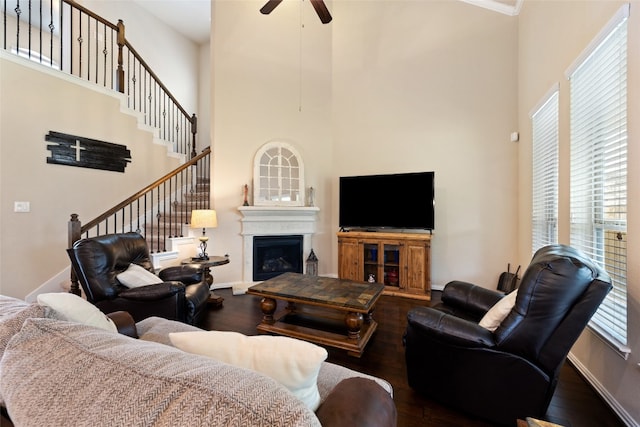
(21, 207)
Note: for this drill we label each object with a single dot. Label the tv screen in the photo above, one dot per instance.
(398, 201)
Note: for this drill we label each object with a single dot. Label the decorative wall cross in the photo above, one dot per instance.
(78, 147)
(83, 152)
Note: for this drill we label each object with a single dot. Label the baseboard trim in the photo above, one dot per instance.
(61, 282)
(624, 416)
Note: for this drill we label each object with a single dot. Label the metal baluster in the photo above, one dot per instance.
(29, 30)
(18, 13)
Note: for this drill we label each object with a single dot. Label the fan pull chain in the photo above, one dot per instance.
(300, 57)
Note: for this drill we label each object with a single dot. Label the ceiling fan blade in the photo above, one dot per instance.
(269, 6)
(322, 11)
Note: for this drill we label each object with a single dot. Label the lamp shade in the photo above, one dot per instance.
(204, 218)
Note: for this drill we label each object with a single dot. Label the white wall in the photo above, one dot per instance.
(271, 81)
(421, 86)
(36, 100)
(369, 94)
(545, 55)
(173, 57)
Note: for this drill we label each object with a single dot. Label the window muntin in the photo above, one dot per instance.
(278, 176)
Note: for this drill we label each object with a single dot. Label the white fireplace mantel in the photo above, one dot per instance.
(275, 221)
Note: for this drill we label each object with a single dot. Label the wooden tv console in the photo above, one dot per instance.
(402, 261)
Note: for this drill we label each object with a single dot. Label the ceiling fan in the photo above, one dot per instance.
(318, 5)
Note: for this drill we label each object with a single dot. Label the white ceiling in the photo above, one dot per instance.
(192, 18)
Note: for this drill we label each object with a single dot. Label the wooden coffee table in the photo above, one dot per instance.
(322, 310)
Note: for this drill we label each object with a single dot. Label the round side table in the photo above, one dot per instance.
(205, 266)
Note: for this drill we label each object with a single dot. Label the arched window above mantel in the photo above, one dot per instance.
(278, 176)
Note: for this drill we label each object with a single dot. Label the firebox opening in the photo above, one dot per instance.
(274, 255)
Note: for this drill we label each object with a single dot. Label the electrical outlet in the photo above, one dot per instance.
(21, 207)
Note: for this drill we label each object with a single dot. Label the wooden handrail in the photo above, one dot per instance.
(91, 14)
(140, 193)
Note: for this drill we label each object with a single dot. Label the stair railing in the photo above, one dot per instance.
(158, 211)
(66, 36)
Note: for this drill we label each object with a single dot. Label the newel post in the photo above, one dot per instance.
(74, 232)
(194, 131)
(121, 42)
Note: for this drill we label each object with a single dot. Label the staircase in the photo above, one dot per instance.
(174, 222)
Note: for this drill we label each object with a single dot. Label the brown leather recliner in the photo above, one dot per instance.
(513, 372)
(98, 260)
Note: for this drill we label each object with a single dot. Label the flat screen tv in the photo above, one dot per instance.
(394, 201)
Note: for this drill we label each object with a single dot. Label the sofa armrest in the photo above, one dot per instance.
(448, 328)
(187, 274)
(153, 292)
(125, 323)
(469, 297)
(358, 402)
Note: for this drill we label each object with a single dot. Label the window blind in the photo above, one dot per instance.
(598, 194)
(544, 123)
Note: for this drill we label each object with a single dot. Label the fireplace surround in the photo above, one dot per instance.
(275, 221)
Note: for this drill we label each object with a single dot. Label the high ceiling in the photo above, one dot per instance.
(192, 18)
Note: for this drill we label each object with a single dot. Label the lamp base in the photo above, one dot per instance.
(202, 256)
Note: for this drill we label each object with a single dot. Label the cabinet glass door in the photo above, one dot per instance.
(371, 262)
(391, 264)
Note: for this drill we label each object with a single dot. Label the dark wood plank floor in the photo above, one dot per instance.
(574, 404)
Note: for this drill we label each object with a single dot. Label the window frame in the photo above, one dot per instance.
(278, 176)
(545, 169)
(598, 192)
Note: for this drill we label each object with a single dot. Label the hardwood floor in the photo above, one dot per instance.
(574, 404)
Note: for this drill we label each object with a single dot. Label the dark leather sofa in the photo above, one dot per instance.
(510, 373)
(98, 260)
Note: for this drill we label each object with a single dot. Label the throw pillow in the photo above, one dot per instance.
(72, 308)
(136, 276)
(293, 363)
(496, 314)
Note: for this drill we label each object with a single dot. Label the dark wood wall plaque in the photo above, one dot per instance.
(83, 152)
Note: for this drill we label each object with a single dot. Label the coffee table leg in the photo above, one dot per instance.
(268, 307)
(354, 324)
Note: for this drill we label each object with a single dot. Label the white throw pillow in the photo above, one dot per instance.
(136, 276)
(293, 363)
(73, 308)
(498, 312)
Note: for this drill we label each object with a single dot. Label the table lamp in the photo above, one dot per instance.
(203, 218)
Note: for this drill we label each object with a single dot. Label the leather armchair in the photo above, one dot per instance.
(512, 372)
(98, 260)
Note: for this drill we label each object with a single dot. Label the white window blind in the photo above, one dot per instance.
(544, 122)
(598, 195)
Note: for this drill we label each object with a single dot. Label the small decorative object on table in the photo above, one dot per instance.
(311, 196)
(246, 195)
(312, 264)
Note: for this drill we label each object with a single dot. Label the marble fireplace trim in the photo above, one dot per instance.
(275, 221)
